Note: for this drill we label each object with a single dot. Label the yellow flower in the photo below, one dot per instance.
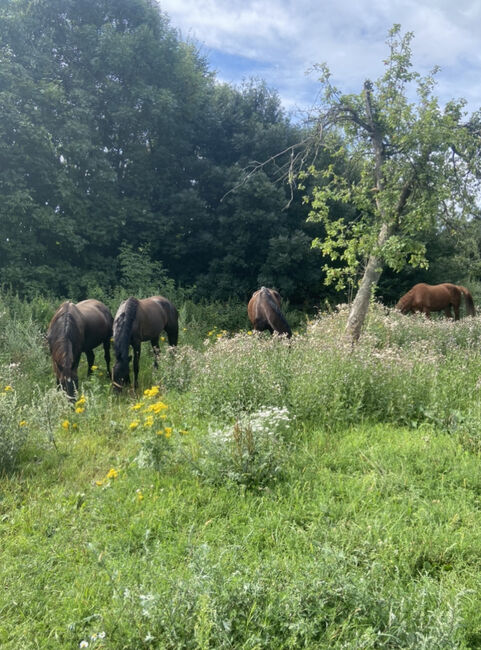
(140, 496)
(74, 425)
(7, 388)
(168, 431)
(134, 424)
(79, 409)
(249, 333)
(149, 421)
(65, 424)
(99, 483)
(162, 338)
(112, 473)
(210, 333)
(160, 432)
(137, 406)
(81, 400)
(157, 407)
(151, 392)
(94, 367)
(23, 423)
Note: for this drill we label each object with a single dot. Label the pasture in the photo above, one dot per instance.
(253, 493)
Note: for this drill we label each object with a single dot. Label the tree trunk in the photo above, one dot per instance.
(360, 306)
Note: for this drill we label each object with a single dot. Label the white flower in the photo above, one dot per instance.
(84, 644)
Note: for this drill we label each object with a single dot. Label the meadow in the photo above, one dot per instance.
(254, 493)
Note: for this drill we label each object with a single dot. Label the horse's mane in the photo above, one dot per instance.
(275, 307)
(63, 332)
(122, 329)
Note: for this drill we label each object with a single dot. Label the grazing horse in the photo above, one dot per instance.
(264, 311)
(136, 321)
(75, 329)
(427, 298)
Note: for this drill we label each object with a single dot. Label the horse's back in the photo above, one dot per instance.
(155, 314)
(98, 322)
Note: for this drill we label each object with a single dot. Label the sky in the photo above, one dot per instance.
(281, 40)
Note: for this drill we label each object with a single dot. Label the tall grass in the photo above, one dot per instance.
(262, 493)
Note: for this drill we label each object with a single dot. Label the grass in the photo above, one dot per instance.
(365, 532)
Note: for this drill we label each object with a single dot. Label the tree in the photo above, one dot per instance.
(410, 165)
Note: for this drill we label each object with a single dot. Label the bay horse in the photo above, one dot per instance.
(264, 311)
(77, 328)
(427, 298)
(136, 321)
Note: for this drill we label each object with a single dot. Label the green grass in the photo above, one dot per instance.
(359, 526)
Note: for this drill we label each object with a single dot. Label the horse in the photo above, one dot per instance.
(136, 321)
(427, 298)
(264, 311)
(77, 328)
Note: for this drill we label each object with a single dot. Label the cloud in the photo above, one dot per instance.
(279, 40)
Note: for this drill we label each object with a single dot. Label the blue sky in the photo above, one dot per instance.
(280, 40)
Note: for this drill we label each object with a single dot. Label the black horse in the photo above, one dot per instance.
(264, 311)
(75, 329)
(136, 321)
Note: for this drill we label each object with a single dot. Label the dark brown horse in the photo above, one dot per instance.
(264, 311)
(427, 298)
(136, 321)
(75, 329)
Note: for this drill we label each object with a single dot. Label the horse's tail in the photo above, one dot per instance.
(281, 325)
(468, 300)
(122, 327)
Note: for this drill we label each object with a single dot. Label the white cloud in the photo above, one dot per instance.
(280, 39)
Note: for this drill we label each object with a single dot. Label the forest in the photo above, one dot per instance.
(123, 160)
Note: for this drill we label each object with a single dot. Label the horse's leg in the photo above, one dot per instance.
(107, 355)
(447, 312)
(90, 361)
(172, 333)
(156, 349)
(136, 364)
(456, 312)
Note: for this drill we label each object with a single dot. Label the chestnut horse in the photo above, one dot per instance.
(427, 298)
(75, 329)
(136, 321)
(264, 311)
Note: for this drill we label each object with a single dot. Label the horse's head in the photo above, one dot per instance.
(67, 379)
(120, 374)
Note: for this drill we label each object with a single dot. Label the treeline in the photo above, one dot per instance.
(121, 154)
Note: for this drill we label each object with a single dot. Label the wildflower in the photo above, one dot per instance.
(137, 406)
(66, 424)
(79, 409)
(84, 644)
(81, 401)
(99, 483)
(7, 388)
(94, 636)
(101, 635)
(151, 392)
(94, 368)
(149, 421)
(157, 407)
(162, 338)
(140, 496)
(112, 473)
(168, 431)
(160, 432)
(22, 423)
(133, 425)
(249, 333)
(74, 425)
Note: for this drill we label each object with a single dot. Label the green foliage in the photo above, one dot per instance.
(407, 163)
